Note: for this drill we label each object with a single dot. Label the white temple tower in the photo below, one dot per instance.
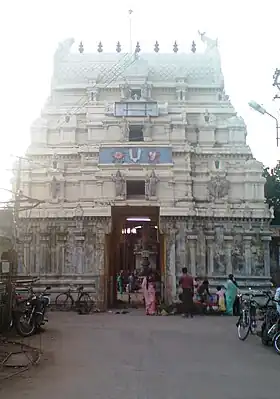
(142, 131)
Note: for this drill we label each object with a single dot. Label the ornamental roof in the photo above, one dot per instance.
(194, 68)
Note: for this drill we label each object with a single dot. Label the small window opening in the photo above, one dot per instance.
(136, 94)
(135, 133)
(54, 164)
(135, 189)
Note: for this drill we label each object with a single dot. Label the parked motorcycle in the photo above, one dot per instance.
(30, 314)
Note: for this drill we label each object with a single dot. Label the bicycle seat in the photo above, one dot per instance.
(267, 293)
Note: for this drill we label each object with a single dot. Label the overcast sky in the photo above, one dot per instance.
(30, 31)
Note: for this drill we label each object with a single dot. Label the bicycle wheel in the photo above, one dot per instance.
(243, 325)
(84, 304)
(64, 302)
(276, 343)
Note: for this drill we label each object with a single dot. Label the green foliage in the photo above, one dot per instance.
(272, 191)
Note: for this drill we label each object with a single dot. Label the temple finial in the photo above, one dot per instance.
(156, 47)
(81, 47)
(175, 47)
(118, 47)
(193, 49)
(100, 47)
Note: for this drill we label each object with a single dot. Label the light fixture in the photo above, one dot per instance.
(259, 108)
(138, 219)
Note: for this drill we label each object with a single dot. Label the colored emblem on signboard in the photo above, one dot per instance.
(154, 156)
(118, 157)
(134, 154)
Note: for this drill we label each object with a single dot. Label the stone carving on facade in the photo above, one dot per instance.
(119, 181)
(208, 118)
(93, 93)
(218, 187)
(124, 129)
(55, 188)
(210, 43)
(125, 91)
(109, 108)
(63, 49)
(151, 185)
(146, 91)
(147, 129)
(257, 253)
(272, 212)
(219, 253)
(238, 255)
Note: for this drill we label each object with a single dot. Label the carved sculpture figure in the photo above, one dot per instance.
(272, 212)
(93, 93)
(64, 49)
(151, 185)
(218, 187)
(124, 129)
(146, 91)
(54, 188)
(210, 43)
(125, 91)
(119, 184)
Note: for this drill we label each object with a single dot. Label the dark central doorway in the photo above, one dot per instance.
(134, 248)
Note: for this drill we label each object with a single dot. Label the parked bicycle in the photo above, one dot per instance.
(83, 305)
(247, 323)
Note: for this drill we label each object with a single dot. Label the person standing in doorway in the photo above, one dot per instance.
(187, 285)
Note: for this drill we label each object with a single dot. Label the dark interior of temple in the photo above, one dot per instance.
(134, 246)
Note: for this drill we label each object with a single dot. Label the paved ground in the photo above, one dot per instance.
(135, 356)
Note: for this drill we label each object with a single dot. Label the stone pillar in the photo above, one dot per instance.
(79, 252)
(181, 260)
(228, 248)
(44, 253)
(25, 263)
(266, 255)
(60, 253)
(248, 255)
(192, 243)
(210, 255)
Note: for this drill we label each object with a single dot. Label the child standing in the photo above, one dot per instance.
(221, 299)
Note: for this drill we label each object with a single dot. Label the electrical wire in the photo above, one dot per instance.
(117, 69)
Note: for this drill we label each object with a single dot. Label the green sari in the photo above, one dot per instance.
(231, 292)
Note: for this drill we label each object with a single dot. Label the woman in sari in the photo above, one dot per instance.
(149, 291)
(231, 292)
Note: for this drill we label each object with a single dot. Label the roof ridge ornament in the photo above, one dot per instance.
(175, 47)
(118, 47)
(81, 48)
(63, 49)
(156, 47)
(211, 44)
(100, 47)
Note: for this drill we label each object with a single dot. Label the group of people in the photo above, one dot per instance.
(196, 291)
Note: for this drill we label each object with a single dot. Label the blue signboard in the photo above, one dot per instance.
(136, 155)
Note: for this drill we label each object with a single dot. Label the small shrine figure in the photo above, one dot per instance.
(146, 91)
(206, 116)
(151, 185)
(124, 129)
(55, 185)
(125, 91)
(119, 181)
